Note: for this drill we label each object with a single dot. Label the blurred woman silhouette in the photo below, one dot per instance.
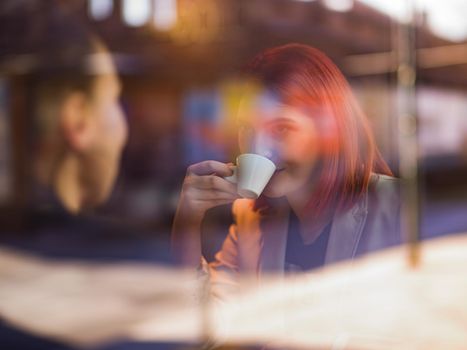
(77, 130)
(332, 196)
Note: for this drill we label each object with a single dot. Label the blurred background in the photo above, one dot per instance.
(177, 60)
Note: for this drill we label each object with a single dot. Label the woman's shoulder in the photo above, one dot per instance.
(384, 184)
(384, 190)
(382, 228)
(383, 179)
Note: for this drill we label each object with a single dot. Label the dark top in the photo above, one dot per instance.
(300, 256)
(48, 230)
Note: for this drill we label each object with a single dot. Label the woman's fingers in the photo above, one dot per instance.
(204, 187)
(202, 200)
(209, 195)
(218, 202)
(210, 167)
(212, 182)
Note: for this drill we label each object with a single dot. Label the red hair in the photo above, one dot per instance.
(303, 76)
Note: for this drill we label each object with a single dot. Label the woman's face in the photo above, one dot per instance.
(284, 134)
(110, 134)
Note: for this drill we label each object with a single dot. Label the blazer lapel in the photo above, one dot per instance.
(346, 231)
(344, 237)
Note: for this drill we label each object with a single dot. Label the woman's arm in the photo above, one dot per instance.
(203, 188)
(223, 271)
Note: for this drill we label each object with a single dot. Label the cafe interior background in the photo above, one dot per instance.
(177, 60)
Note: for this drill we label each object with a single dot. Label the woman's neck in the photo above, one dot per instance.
(311, 226)
(299, 199)
(66, 184)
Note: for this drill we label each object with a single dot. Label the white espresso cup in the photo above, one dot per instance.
(251, 174)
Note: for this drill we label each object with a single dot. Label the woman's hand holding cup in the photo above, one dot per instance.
(207, 185)
(204, 188)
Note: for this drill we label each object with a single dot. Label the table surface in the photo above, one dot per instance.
(374, 302)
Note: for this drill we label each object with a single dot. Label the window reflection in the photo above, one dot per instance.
(136, 12)
(100, 9)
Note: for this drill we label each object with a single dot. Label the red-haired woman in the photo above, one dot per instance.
(332, 196)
